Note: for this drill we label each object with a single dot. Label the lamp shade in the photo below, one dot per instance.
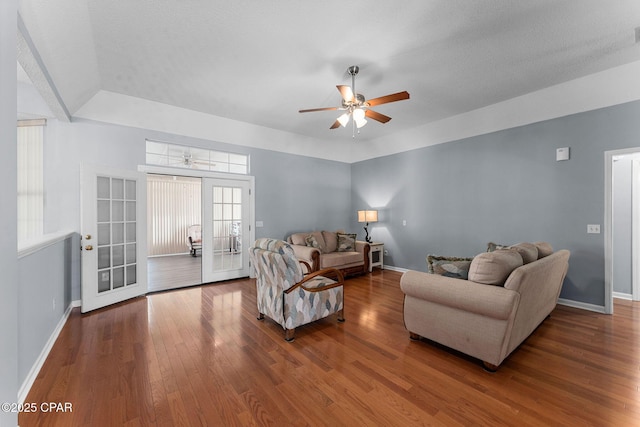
(367, 216)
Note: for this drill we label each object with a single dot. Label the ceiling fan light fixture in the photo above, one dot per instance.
(344, 119)
(358, 117)
(360, 123)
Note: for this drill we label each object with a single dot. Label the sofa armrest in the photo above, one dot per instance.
(486, 300)
(308, 254)
(364, 249)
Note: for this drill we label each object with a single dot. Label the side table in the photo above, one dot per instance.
(376, 255)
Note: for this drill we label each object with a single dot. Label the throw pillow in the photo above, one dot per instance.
(330, 240)
(449, 266)
(311, 241)
(528, 251)
(495, 246)
(544, 249)
(493, 268)
(346, 242)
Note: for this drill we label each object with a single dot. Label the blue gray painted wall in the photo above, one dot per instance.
(8, 222)
(44, 277)
(504, 187)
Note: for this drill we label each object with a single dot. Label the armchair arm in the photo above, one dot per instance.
(339, 281)
(487, 300)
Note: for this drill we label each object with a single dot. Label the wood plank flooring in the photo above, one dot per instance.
(199, 357)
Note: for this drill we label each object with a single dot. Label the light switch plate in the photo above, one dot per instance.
(562, 154)
(593, 228)
(259, 224)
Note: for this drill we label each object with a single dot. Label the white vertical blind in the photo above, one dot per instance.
(173, 204)
(30, 180)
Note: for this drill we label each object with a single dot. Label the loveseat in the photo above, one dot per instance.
(331, 249)
(507, 294)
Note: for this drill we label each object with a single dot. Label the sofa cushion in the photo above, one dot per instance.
(311, 241)
(330, 240)
(493, 268)
(299, 238)
(528, 251)
(340, 259)
(449, 266)
(544, 249)
(346, 242)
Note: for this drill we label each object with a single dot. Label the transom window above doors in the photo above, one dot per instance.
(182, 156)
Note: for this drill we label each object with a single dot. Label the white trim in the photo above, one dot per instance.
(582, 305)
(35, 369)
(635, 230)
(393, 268)
(623, 296)
(35, 245)
(166, 170)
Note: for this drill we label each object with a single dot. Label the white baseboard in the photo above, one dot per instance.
(35, 369)
(398, 269)
(581, 305)
(76, 303)
(620, 295)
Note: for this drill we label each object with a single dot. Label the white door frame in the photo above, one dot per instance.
(635, 230)
(161, 170)
(608, 228)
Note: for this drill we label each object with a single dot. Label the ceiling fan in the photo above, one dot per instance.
(355, 105)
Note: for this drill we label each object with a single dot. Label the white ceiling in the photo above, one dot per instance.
(261, 61)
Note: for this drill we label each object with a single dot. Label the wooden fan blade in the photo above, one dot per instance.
(318, 109)
(346, 92)
(377, 116)
(335, 125)
(388, 98)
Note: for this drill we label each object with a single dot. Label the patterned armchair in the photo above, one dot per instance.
(286, 295)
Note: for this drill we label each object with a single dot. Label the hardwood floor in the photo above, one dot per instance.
(198, 356)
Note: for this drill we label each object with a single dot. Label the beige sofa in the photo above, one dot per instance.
(331, 249)
(495, 310)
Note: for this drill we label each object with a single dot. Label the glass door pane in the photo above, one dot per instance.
(116, 215)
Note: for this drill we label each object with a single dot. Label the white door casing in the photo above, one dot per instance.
(114, 241)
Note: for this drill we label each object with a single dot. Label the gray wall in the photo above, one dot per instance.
(8, 221)
(621, 233)
(504, 187)
(293, 193)
(44, 277)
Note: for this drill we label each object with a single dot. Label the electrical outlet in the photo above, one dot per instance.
(386, 252)
(404, 222)
(593, 228)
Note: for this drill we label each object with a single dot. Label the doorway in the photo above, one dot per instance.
(226, 235)
(174, 208)
(622, 225)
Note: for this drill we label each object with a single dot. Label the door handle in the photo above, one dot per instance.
(88, 248)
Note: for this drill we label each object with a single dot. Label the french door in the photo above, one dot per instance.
(226, 231)
(114, 242)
